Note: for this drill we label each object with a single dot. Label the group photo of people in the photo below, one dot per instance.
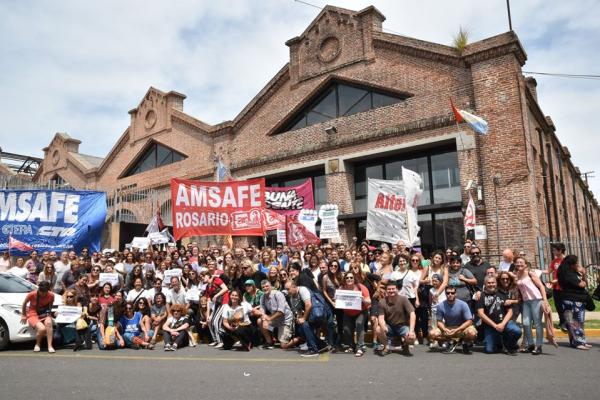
(331, 297)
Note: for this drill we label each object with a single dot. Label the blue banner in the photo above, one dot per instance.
(59, 220)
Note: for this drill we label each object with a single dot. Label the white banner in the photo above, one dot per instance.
(329, 221)
(348, 299)
(112, 278)
(308, 218)
(158, 237)
(68, 314)
(140, 242)
(413, 187)
(480, 232)
(386, 213)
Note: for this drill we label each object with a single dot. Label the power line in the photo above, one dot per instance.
(560, 75)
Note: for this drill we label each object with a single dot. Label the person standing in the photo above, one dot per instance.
(558, 252)
(572, 279)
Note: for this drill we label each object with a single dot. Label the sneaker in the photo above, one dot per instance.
(150, 346)
(167, 347)
(212, 344)
(359, 353)
(51, 350)
(36, 349)
(563, 328)
(174, 347)
(219, 346)
(310, 353)
(324, 349)
(451, 347)
(267, 346)
(406, 350)
(304, 347)
(433, 345)
(466, 348)
(536, 351)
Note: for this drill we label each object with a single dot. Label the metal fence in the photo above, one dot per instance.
(19, 182)
(587, 250)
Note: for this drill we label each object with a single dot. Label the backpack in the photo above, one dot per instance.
(320, 311)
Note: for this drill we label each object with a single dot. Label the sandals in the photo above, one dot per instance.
(359, 353)
(348, 350)
(582, 347)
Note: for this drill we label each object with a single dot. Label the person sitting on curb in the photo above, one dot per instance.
(394, 312)
(39, 315)
(496, 315)
(454, 321)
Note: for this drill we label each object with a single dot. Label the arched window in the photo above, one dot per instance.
(126, 216)
(155, 155)
(165, 213)
(340, 100)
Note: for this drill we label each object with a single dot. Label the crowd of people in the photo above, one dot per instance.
(242, 298)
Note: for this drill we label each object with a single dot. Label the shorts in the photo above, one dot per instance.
(458, 335)
(284, 332)
(397, 331)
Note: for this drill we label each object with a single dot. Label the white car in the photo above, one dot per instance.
(12, 294)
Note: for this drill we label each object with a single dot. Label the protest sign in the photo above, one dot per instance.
(386, 213)
(328, 213)
(106, 277)
(170, 273)
(290, 200)
(217, 208)
(140, 242)
(348, 299)
(68, 314)
(297, 235)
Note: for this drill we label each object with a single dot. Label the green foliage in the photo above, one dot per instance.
(461, 39)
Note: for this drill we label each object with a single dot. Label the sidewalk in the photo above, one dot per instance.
(588, 332)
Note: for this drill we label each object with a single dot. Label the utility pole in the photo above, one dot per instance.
(586, 175)
(509, 18)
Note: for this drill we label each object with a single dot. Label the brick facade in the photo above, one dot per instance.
(520, 166)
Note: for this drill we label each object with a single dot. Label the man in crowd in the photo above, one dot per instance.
(507, 261)
(397, 319)
(465, 257)
(175, 295)
(477, 266)
(276, 314)
(301, 305)
(558, 252)
(499, 330)
(454, 321)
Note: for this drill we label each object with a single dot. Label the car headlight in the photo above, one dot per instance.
(13, 308)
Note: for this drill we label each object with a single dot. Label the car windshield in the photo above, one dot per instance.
(13, 284)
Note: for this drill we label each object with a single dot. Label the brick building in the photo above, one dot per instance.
(354, 102)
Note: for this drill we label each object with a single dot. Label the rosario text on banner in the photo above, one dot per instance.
(386, 213)
(217, 208)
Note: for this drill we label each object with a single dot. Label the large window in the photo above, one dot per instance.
(440, 216)
(155, 155)
(318, 181)
(340, 100)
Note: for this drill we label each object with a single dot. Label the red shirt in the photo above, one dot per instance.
(46, 302)
(214, 288)
(554, 270)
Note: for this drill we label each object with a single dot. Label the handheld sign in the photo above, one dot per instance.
(348, 299)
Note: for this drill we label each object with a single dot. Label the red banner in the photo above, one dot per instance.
(217, 208)
(298, 235)
(272, 220)
(290, 200)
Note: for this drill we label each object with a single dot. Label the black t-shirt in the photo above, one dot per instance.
(478, 272)
(493, 306)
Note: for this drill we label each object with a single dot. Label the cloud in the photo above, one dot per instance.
(80, 66)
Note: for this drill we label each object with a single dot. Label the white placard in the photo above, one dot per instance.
(68, 314)
(480, 232)
(308, 218)
(386, 211)
(192, 294)
(158, 238)
(281, 236)
(348, 299)
(168, 274)
(329, 221)
(112, 278)
(140, 242)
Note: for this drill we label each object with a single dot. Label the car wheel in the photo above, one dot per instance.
(4, 335)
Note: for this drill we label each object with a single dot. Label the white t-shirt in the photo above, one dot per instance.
(504, 266)
(4, 264)
(176, 297)
(241, 311)
(20, 272)
(145, 293)
(410, 284)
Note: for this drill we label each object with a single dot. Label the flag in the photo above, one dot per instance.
(17, 244)
(470, 215)
(156, 224)
(476, 123)
(222, 174)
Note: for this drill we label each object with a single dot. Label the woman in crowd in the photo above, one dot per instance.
(386, 268)
(81, 289)
(93, 314)
(354, 320)
(236, 323)
(283, 277)
(36, 311)
(106, 297)
(137, 291)
(128, 264)
(68, 331)
(134, 332)
(202, 322)
(217, 294)
(48, 275)
(135, 273)
(330, 282)
(94, 279)
(110, 269)
(158, 315)
(573, 282)
(175, 334)
(359, 271)
(535, 303)
(507, 286)
(273, 277)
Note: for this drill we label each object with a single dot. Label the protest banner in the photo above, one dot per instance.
(217, 208)
(308, 218)
(290, 200)
(67, 314)
(386, 212)
(413, 188)
(161, 237)
(109, 277)
(140, 242)
(170, 273)
(470, 222)
(328, 213)
(52, 220)
(348, 299)
(272, 220)
(297, 235)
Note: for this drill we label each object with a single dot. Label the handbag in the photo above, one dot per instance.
(81, 324)
(589, 303)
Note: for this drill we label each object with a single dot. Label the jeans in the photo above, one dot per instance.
(308, 332)
(356, 324)
(396, 331)
(495, 340)
(575, 319)
(128, 337)
(532, 310)
(100, 340)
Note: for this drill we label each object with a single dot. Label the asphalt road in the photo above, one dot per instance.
(206, 373)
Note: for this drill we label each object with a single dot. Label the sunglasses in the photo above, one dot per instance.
(129, 308)
(348, 278)
(504, 279)
(450, 293)
(475, 253)
(70, 297)
(415, 260)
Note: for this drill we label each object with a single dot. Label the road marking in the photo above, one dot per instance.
(322, 358)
